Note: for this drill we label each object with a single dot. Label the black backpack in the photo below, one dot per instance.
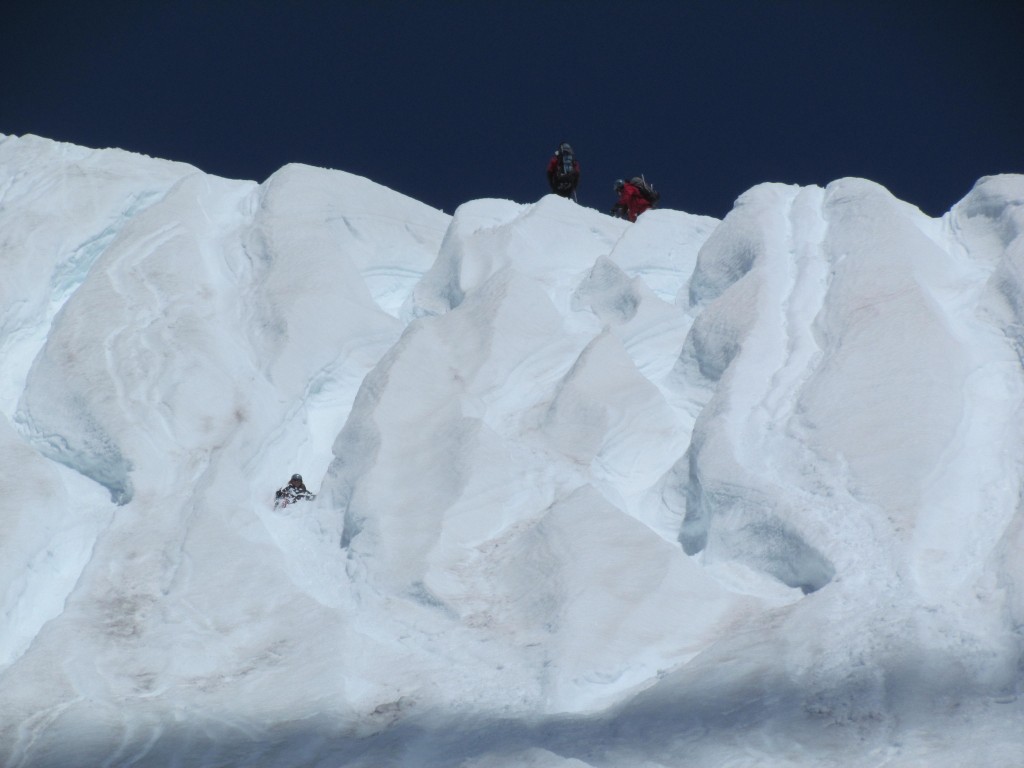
(565, 170)
(650, 193)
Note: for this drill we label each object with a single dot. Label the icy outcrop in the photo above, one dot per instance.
(589, 492)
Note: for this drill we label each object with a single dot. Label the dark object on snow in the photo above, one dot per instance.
(295, 491)
(564, 171)
(635, 197)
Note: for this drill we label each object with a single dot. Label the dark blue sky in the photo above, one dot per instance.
(451, 101)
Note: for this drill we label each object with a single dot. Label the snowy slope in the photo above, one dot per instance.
(682, 492)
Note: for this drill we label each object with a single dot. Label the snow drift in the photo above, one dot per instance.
(687, 491)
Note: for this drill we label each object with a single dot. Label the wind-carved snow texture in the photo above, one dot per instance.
(590, 493)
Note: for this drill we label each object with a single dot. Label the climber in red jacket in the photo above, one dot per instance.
(631, 203)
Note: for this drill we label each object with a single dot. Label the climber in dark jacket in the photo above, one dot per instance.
(294, 491)
(564, 172)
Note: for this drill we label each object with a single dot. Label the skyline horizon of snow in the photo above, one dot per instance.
(588, 492)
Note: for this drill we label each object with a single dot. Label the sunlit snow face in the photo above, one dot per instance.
(521, 422)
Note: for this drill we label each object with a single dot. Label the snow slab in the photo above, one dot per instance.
(590, 493)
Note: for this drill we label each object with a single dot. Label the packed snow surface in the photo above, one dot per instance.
(684, 492)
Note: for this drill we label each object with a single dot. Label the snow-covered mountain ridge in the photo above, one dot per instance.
(681, 492)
